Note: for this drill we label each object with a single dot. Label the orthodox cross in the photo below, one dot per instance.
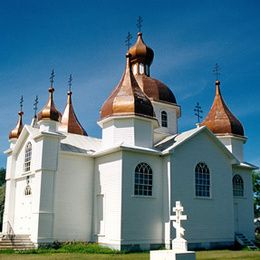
(128, 39)
(139, 23)
(70, 82)
(35, 105)
(216, 71)
(21, 104)
(52, 78)
(177, 219)
(198, 111)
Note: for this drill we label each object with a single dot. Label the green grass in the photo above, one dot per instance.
(202, 255)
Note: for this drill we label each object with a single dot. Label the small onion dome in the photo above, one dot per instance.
(140, 52)
(69, 121)
(155, 89)
(14, 134)
(220, 120)
(127, 98)
(49, 111)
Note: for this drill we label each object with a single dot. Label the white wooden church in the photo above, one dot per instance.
(62, 184)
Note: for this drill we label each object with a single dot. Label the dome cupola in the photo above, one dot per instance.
(127, 98)
(140, 52)
(220, 119)
(49, 111)
(69, 121)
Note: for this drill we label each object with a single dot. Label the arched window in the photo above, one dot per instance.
(238, 186)
(143, 180)
(202, 180)
(28, 190)
(164, 119)
(28, 157)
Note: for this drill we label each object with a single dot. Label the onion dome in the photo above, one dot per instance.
(69, 121)
(14, 134)
(140, 52)
(220, 120)
(49, 111)
(127, 98)
(155, 89)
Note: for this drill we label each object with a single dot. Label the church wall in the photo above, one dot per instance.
(141, 215)
(73, 198)
(243, 206)
(107, 200)
(234, 145)
(171, 116)
(210, 220)
(129, 131)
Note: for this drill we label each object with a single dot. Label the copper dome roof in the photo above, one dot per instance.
(14, 134)
(127, 98)
(220, 120)
(140, 52)
(49, 111)
(69, 121)
(155, 89)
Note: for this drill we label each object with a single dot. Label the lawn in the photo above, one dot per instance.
(202, 255)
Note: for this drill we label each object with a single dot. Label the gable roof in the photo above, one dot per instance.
(170, 143)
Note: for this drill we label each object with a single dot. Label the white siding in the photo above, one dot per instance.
(141, 216)
(209, 219)
(73, 198)
(243, 206)
(108, 184)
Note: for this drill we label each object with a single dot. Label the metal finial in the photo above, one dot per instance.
(139, 23)
(35, 105)
(198, 111)
(21, 103)
(52, 77)
(216, 71)
(70, 82)
(128, 39)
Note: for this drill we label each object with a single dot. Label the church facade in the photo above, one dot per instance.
(62, 184)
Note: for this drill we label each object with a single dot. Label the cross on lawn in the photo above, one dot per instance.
(177, 219)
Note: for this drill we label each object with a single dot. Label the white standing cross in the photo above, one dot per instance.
(177, 220)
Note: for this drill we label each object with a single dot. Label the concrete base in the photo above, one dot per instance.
(172, 255)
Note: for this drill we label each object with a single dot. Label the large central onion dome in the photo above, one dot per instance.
(141, 59)
(127, 98)
(220, 119)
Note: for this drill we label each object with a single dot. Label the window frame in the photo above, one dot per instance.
(239, 190)
(27, 158)
(205, 188)
(164, 119)
(145, 187)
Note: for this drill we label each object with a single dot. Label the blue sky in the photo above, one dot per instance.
(86, 38)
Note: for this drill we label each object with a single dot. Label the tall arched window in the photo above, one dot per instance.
(238, 186)
(143, 180)
(202, 180)
(164, 119)
(28, 157)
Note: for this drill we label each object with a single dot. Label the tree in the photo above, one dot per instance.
(2, 195)
(256, 189)
(2, 176)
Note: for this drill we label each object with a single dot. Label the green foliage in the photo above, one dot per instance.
(2, 176)
(256, 188)
(2, 195)
(67, 247)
